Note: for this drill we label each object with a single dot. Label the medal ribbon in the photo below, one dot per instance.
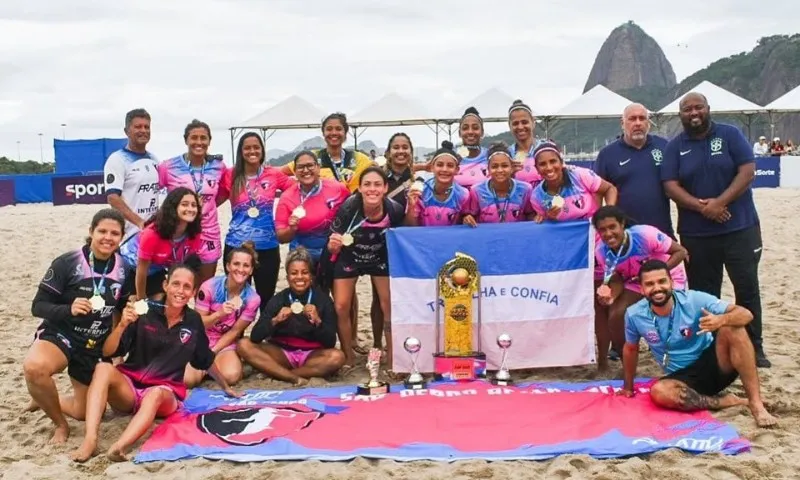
(98, 286)
(310, 296)
(198, 186)
(612, 259)
(337, 170)
(501, 213)
(314, 190)
(352, 228)
(251, 192)
(665, 342)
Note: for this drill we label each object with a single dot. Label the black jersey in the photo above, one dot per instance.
(71, 276)
(369, 238)
(158, 355)
(399, 186)
(297, 326)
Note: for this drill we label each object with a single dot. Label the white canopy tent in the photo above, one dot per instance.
(599, 102)
(789, 102)
(492, 105)
(719, 99)
(392, 110)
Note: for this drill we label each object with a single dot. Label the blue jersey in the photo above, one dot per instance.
(637, 175)
(683, 342)
(705, 168)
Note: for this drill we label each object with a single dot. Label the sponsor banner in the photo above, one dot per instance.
(88, 189)
(6, 192)
(768, 172)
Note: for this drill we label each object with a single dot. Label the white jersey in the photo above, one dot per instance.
(134, 177)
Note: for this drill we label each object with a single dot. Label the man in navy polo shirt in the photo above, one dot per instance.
(633, 165)
(708, 171)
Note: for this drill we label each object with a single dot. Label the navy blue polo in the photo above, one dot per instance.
(705, 168)
(636, 172)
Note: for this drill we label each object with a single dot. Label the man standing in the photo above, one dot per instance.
(130, 174)
(698, 340)
(761, 147)
(708, 171)
(633, 165)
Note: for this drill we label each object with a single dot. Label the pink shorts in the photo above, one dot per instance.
(212, 342)
(210, 251)
(139, 393)
(296, 358)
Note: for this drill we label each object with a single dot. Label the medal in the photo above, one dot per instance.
(462, 151)
(252, 212)
(520, 157)
(603, 291)
(141, 307)
(666, 360)
(236, 302)
(97, 302)
(297, 307)
(299, 212)
(558, 201)
(347, 239)
(418, 186)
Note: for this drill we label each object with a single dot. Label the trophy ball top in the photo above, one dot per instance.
(412, 345)
(460, 276)
(504, 340)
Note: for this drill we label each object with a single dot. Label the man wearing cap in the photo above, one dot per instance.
(708, 170)
(633, 165)
(761, 147)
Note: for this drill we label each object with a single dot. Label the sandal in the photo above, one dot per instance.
(394, 376)
(361, 350)
(346, 369)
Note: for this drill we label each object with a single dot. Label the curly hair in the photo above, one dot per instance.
(166, 219)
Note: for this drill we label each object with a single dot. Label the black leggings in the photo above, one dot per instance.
(265, 275)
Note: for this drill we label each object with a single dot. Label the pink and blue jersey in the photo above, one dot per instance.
(492, 209)
(213, 294)
(528, 174)
(646, 243)
(259, 192)
(176, 172)
(432, 212)
(579, 192)
(472, 171)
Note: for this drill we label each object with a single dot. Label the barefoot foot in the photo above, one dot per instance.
(763, 418)
(60, 435)
(116, 453)
(32, 406)
(85, 451)
(300, 382)
(731, 400)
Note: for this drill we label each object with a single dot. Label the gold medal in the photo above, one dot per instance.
(418, 186)
(97, 302)
(252, 212)
(462, 151)
(299, 212)
(236, 302)
(603, 291)
(520, 157)
(558, 201)
(141, 307)
(297, 307)
(347, 239)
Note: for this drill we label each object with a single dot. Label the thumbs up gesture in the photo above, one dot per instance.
(710, 322)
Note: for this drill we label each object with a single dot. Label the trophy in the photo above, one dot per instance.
(503, 377)
(374, 386)
(457, 286)
(414, 381)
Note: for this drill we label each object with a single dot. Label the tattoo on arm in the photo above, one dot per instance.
(690, 400)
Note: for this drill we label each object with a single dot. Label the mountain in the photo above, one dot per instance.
(275, 153)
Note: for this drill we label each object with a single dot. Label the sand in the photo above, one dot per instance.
(34, 234)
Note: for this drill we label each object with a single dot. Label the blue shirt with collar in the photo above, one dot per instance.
(636, 172)
(705, 168)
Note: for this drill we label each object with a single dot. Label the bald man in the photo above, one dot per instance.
(708, 171)
(633, 165)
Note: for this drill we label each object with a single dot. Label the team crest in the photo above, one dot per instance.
(658, 156)
(185, 335)
(686, 332)
(116, 290)
(248, 426)
(716, 146)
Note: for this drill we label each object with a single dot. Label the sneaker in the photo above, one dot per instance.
(613, 355)
(761, 359)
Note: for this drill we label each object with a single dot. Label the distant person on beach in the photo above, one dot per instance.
(698, 340)
(761, 147)
(708, 170)
(131, 178)
(77, 299)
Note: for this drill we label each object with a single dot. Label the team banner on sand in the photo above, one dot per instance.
(6, 193)
(447, 422)
(536, 285)
(86, 189)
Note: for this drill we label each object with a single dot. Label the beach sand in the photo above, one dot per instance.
(35, 234)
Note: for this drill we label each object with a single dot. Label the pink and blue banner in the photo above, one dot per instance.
(446, 422)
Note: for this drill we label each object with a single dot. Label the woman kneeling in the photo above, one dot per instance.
(299, 324)
(150, 382)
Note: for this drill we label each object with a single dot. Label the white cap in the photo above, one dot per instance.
(776, 139)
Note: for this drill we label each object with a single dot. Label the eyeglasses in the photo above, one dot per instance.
(305, 166)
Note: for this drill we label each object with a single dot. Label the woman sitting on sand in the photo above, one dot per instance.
(75, 300)
(299, 324)
(227, 304)
(170, 237)
(160, 344)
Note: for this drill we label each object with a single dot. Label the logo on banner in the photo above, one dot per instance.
(78, 190)
(250, 426)
(657, 156)
(716, 146)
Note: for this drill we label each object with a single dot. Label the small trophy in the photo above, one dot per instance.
(374, 386)
(414, 381)
(503, 377)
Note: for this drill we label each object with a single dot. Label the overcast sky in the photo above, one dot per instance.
(86, 62)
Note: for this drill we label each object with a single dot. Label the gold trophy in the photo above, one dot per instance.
(457, 285)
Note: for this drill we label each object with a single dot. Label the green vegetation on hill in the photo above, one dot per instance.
(11, 167)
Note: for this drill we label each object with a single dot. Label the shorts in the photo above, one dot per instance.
(139, 393)
(80, 363)
(704, 375)
(354, 270)
(212, 342)
(210, 251)
(297, 358)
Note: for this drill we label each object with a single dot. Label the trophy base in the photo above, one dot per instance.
(461, 367)
(505, 382)
(415, 385)
(380, 389)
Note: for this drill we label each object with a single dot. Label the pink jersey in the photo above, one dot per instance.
(163, 253)
(176, 172)
(472, 171)
(492, 209)
(432, 212)
(646, 243)
(528, 174)
(210, 298)
(579, 193)
(320, 204)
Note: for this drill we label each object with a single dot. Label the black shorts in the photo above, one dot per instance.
(704, 375)
(80, 363)
(355, 270)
